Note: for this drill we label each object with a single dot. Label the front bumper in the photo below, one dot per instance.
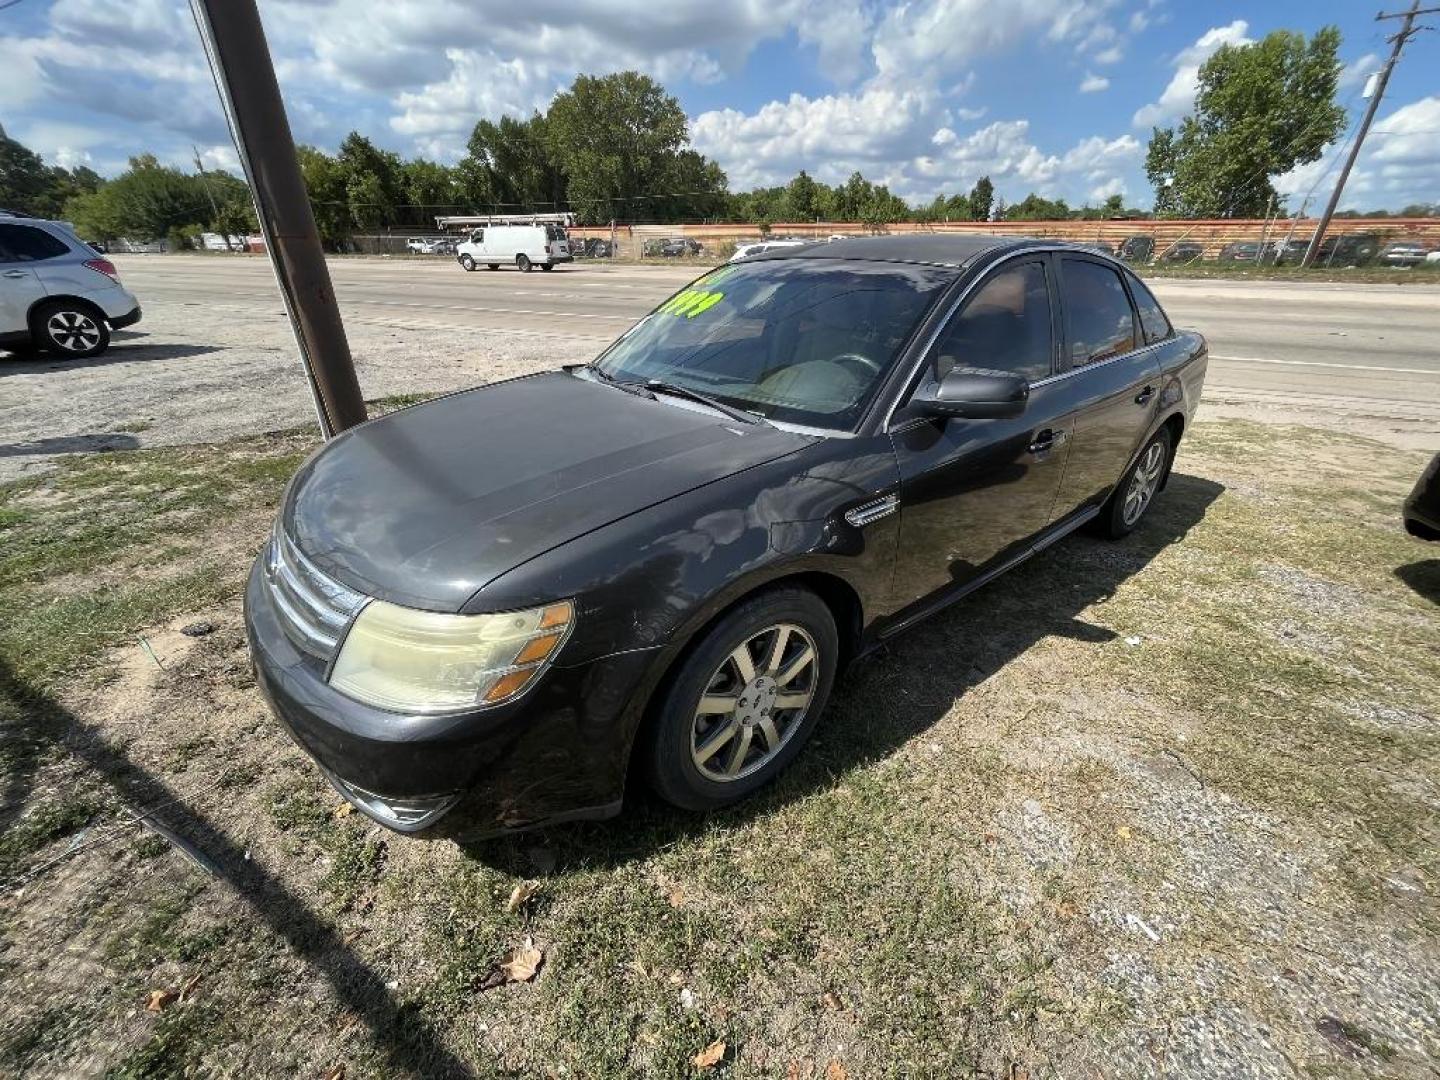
(558, 753)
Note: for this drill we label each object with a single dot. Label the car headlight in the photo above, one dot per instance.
(412, 661)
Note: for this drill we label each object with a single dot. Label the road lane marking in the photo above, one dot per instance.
(1322, 364)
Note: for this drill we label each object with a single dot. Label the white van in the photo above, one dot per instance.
(523, 245)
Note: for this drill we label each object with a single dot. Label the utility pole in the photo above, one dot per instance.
(1408, 29)
(214, 209)
(239, 59)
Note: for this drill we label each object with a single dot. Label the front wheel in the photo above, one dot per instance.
(1136, 491)
(744, 702)
(467, 262)
(522, 263)
(70, 330)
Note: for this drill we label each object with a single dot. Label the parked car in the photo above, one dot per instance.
(1183, 251)
(760, 247)
(1287, 252)
(1347, 249)
(1136, 249)
(1422, 508)
(653, 565)
(1243, 251)
(682, 246)
(56, 292)
(446, 245)
(421, 245)
(526, 246)
(1404, 253)
(594, 247)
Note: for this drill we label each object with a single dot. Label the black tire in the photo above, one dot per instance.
(1118, 518)
(522, 264)
(547, 266)
(670, 753)
(467, 262)
(493, 266)
(70, 330)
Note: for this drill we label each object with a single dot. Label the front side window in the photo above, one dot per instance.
(1005, 326)
(1153, 323)
(1097, 312)
(807, 341)
(25, 243)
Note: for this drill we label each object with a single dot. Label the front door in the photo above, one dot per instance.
(1113, 379)
(974, 491)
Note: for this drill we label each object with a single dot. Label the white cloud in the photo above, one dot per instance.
(1106, 188)
(1358, 71)
(1178, 96)
(1093, 84)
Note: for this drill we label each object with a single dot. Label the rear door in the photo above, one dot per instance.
(20, 285)
(1113, 380)
(973, 492)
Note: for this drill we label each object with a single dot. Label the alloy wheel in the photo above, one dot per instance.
(73, 331)
(1144, 482)
(753, 703)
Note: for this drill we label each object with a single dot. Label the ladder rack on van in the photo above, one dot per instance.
(475, 221)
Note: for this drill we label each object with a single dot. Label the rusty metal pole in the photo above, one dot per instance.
(239, 57)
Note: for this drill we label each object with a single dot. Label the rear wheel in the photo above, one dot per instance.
(467, 262)
(1132, 497)
(71, 330)
(744, 702)
(522, 263)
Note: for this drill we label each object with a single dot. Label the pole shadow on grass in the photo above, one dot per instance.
(904, 687)
(407, 1042)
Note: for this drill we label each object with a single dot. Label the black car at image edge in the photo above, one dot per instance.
(496, 609)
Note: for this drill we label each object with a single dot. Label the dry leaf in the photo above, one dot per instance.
(190, 984)
(522, 963)
(711, 1055)
(835, 1071)
(1123, 832)
(344, 810)
(351, 935)
(676, 896)
(158, 1000)
(832, 1002)
(520, 895)
(335, 1072)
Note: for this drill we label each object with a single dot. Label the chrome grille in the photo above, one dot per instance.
(313, 608)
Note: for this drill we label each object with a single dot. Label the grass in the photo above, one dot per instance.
(952, 880)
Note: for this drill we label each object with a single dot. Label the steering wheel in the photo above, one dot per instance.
(868, 366)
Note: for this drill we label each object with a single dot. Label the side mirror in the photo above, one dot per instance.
(975, 394)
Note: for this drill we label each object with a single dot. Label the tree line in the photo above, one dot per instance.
(617, 148)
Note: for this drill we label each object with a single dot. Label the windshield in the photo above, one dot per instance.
(800, 340)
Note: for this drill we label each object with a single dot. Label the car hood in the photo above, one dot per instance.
(427, 505)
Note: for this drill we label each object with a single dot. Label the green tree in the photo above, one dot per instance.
(511, 169)
(800, 198)
(151, 201)
(325, 183)
(982, 199)
(1037, 208)
(94, 215)
(1261, 110)
(618, 139)
(372, 182)
(428, 189)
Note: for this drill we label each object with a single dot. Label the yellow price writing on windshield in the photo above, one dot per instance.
(691, 302)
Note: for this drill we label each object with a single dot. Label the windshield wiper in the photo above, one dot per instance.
(705, 399)
(638, 389)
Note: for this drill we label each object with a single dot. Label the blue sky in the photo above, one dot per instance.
(1055, 96)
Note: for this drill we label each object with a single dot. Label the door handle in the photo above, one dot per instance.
(1045, 441)
(1145, 395)
(15, 273)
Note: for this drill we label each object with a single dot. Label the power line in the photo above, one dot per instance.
(1408, 29)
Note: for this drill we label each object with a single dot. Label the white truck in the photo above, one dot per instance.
(525, 246)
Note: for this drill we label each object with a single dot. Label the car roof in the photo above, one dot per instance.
(928, 248)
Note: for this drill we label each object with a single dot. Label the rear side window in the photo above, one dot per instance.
(1153, 323)
(1005, 326)
(25, 243)
(1097, 312)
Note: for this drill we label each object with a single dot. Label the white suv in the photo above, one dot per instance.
(56, 292)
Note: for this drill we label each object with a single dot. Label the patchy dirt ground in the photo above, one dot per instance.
(1162, 807)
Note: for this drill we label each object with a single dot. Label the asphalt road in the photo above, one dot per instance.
(213, 356)
(1371, 346)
